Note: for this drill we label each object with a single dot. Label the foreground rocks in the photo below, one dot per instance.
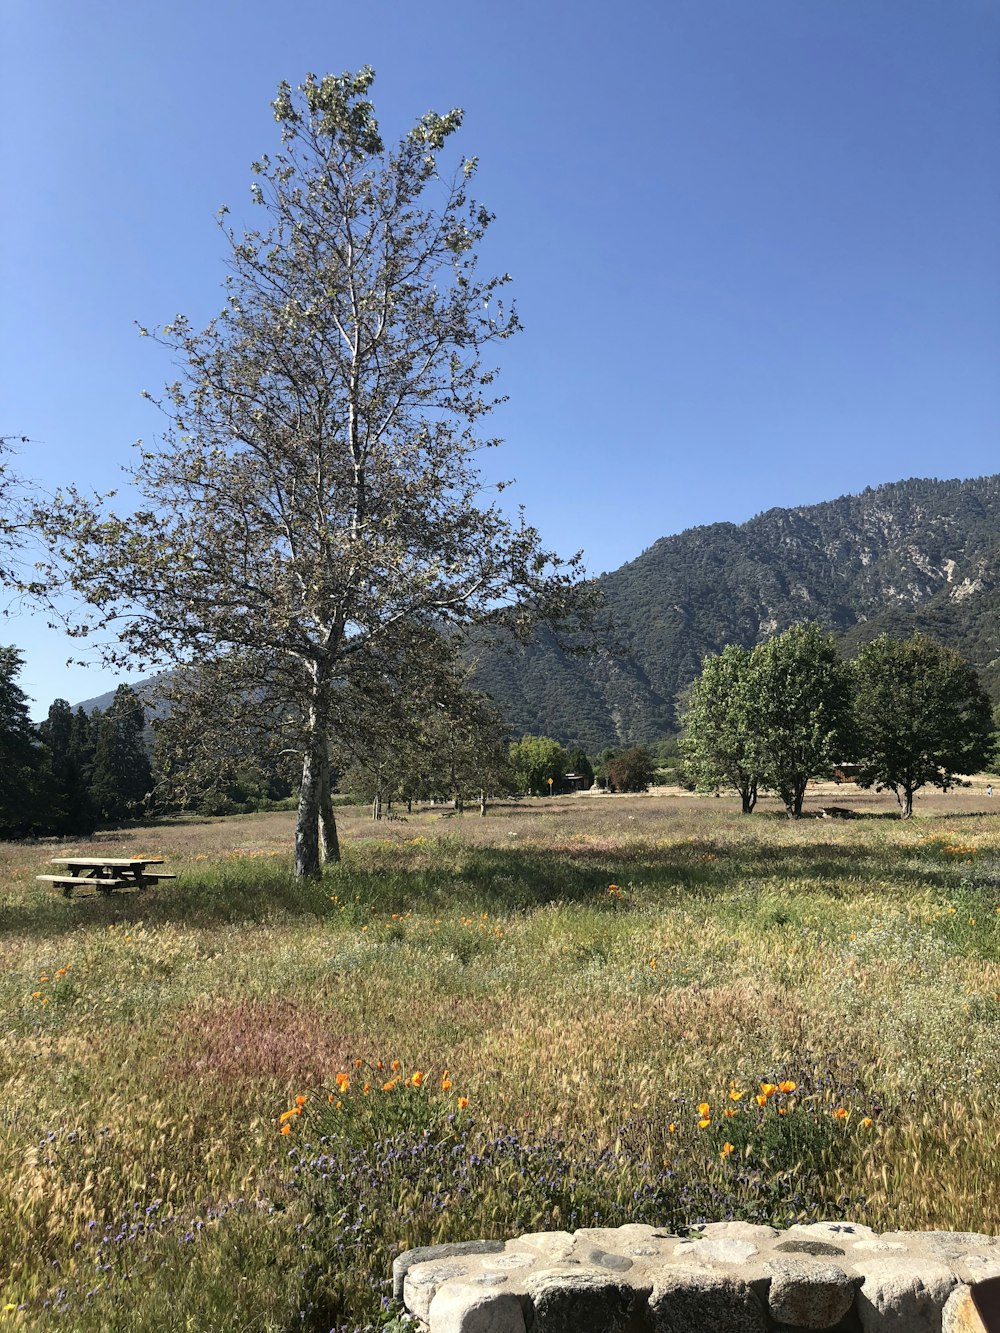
(727, 1277)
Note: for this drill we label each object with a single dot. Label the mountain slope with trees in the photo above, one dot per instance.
(912, 555)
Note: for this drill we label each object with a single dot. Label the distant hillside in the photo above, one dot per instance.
(144, 688)
(913, 554)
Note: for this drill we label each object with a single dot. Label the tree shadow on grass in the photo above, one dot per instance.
(496, 880)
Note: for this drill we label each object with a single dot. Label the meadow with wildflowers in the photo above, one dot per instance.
(227, 1103)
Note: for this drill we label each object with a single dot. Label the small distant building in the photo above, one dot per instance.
(576, 782)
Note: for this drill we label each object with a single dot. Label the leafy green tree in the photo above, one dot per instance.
(534, 761)
(23, 794)
(317, 491)
(123, 777)
(632, 770)
(719, 742)
(798, 701)
(578, 762)
(72, 809)
(921, 716)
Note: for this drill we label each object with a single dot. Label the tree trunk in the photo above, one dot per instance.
(748, 796)
(307, 863)
(329, 842)
(792, 797)
(482, 801)
(907, 803)
(377, 807)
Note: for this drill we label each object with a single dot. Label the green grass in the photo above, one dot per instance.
(588, 972)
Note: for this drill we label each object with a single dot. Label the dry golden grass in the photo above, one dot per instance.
(594, 967)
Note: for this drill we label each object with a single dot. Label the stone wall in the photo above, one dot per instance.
(727, 1277)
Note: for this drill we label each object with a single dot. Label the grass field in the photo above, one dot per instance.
(602, 1009)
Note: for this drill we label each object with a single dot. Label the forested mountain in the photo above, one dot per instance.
(918, 554)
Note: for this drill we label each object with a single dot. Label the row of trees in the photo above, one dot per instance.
(74, 770)
(907, 713)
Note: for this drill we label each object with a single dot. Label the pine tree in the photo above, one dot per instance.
(71, 810)
(123, 777)
(23, 795)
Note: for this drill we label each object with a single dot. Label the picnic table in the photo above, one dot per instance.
(105, 873)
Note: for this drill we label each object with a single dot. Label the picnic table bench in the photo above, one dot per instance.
(105, 873)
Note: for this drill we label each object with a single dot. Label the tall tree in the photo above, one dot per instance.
(317, 491)
(123, 776)
(719, 743)
(72, 810)
(799, 694)
(22, 770)
(921, 716)
(578, 762)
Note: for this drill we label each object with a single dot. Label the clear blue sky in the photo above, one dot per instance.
(754, 244)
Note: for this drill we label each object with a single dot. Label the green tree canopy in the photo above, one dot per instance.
(632, 770)
(798, 701)
(578, 762)
(123, 777)
(22, 769)
(536, 759)
(921, 716)
(71, 809)
(719, 743)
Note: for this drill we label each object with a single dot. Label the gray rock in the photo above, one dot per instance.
(686, 1301)
(421, 1283)
(547, 1246)
(755, 1233)
(905, 1294)
(977, 1267)
(464, 1307)
(809, 1295)
(835, 1233)
(613, 1238)
(570, 1300)
(964, 1240)
(507, 1262)
(425, 1253)
(815, 1247)
(882, 1246)
(719, 1250)
(944, 1245)
(592, 1257)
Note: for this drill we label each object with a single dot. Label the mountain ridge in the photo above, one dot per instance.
(908, 554)
(920, 553)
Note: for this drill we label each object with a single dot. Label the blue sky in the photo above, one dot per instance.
(754, 245)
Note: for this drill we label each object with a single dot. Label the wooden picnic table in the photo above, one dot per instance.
(105, 873)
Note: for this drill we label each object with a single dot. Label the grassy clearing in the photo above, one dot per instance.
(619, 1009)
